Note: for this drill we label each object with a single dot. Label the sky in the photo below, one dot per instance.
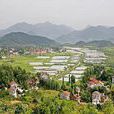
(75, 13)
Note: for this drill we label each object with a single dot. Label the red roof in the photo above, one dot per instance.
(94, 81)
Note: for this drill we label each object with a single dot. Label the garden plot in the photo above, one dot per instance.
(41, 67)
(43, 57)
(58, 67)
(71, 64)
(49, 72)
(35, 63)
(66, 79)
(78, 72)
(82, 68)
(75, 59)
(49, 63)
(60, 57)
(75, 72)
(94, 56)
(58, 61)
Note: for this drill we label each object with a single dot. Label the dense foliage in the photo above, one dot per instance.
(9, 73)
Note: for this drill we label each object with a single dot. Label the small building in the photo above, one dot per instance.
(75, 97)
(95, 83)
(33, 83)
(98, 98)
(65, 95)
(71, 96)
(14, 89)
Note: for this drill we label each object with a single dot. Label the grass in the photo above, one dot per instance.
(23, 61)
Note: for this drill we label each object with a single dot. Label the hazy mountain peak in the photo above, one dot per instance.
(46, 29)
(89, 34)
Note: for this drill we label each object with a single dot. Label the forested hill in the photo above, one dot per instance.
(19, 39)
(96, 43)
(46, 29)
(91, 33)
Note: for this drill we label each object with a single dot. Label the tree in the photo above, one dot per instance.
(72, 79)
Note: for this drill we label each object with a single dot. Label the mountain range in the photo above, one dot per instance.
(89, 34)
(59, 33)
(20, 39)
(46, 29)
(96, 43)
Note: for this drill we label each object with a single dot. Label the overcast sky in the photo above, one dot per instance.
(75, 13)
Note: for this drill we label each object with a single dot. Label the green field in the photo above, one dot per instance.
(23, 61)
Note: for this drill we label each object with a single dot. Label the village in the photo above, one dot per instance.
(69, 63)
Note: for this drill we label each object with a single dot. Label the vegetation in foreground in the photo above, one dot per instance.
(46, 98)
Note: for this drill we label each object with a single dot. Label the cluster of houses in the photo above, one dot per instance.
(8, 52)
(39, 51)
(16, 91)
(98, 98)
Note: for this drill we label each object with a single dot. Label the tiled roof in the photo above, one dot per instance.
(95, 81)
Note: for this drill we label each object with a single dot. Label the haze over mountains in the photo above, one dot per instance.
(46, 29)
(59, 33)
(89, 34)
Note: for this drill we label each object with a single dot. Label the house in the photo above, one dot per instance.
(71, 96)
(75, 97)
(33, 83)
(95, 83)
(98, 98)
(65, 95)
(14, 89)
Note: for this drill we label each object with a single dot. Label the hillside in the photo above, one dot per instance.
(89, 34)
(46, 29)
(96, 43)
(19, 39)
(100, 43)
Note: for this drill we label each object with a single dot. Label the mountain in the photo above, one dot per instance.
(19, 39)
(46, 29)
(98, 43)
(89, 34)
